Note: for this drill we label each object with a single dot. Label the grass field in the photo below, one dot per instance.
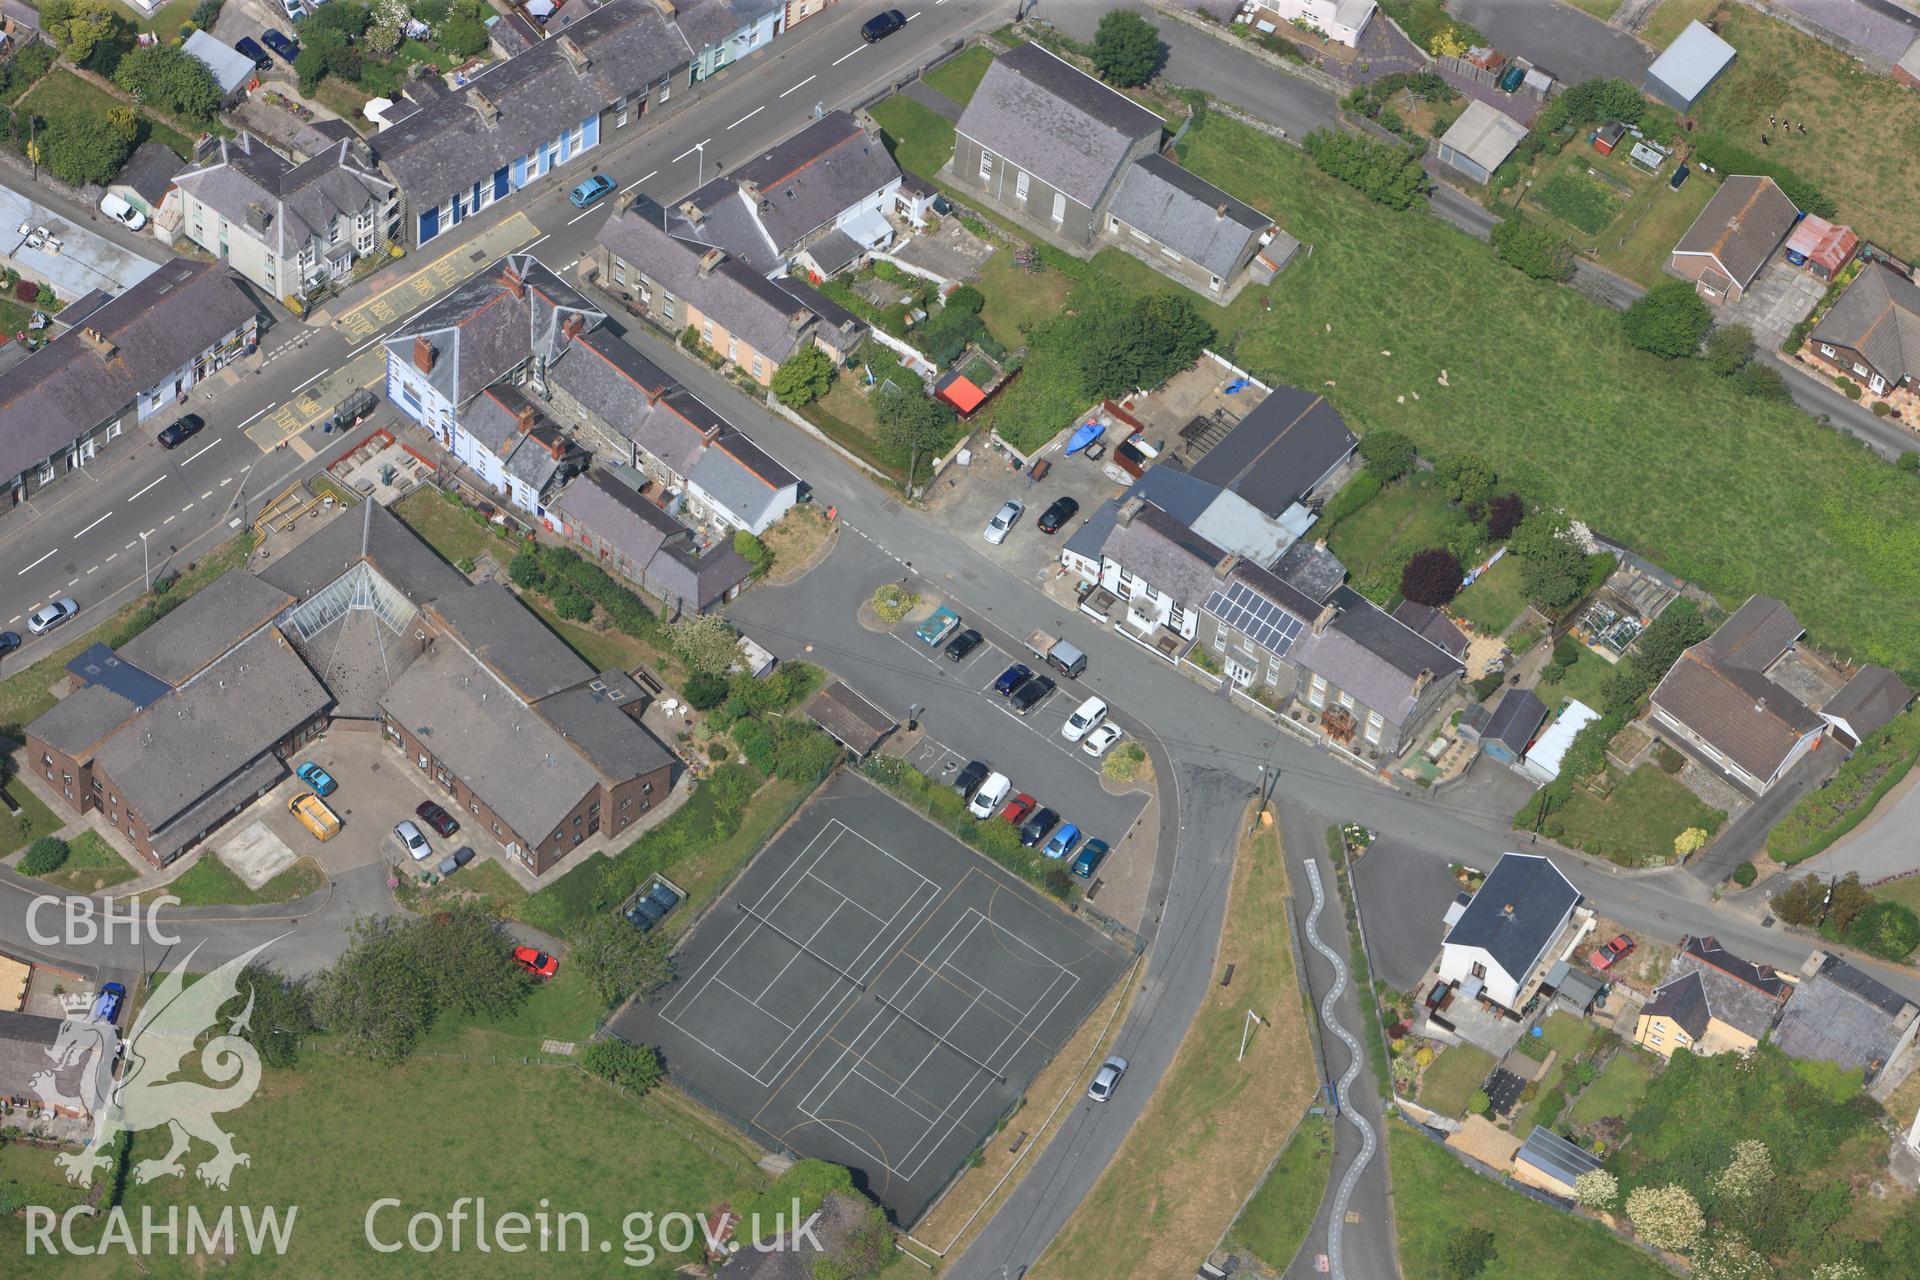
(484, 881)
(1214, 1123)
(1672, 17)
(960, 77)
(452, 529)
(18, 830)
(921, 139)
(1601, 9)
(1837, 99)
(211, 883)
(1905, 891)
(1017, 298)
(1495, 599)
(1376, 541)
(91, 865)
(1275, 1222)
(1451, 1080)
(1435, 1195)
(1636, 824)
(1810, 517)
(1582, 681)
(1622, 1083)
(60, 92)
(1631, 232)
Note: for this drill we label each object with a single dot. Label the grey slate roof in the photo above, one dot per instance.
(1311, 568)
(1741, 226)
(1279, 451)
(1517, 912)
(699, 578)
(677, 429)
(195, 635)
(481, 331)
(1878, 315)
(149, 171)
(1758, 632)
(301, 200)
(513, 34)
(1515, 721)
(216, 805)
(1718, 691)
(513, 759)
(740, 475)
(1554, 1156)
(833, 251)
(839, 327)
(370, 532)
(612, 507)
(82, 720)
(814, 176)
(595, 723)
(1874, 696)
(535, 456)
(1169, 555)
(1187, 214)
(1367, 652)
(446, 147)
(1180, 495)
(212, 728)
(511, 639)
(1683, 999)
(1091, 536)
(611, 379)
(1841, 1015)
(66, 388)
(1434, 625)
(1055, 121)
(1706, 979)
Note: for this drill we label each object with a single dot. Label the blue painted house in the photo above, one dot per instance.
(721, 32)
(532, 115)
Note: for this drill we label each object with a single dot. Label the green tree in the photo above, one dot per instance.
(805, 377)
(749, 547)
(633, 1067)
(1122, 344)
(1669, 321)
(1846, 899)
(1466, 1253)
(124, 120)
(1385, 172)
(282, 1014)
(1389, 454)
(310, 65)
(1594, 101)
(87, 32)
(1729, 346)
(1762, 381)
(45, 855)
(912, 425)
(77, 150)
(1126, 48)
(374, 998)
(1886, 929)
(1666, 1217)
(708, 643)
(171, 79)
(463, 35)
(1801, 901)
(1467, 478)
(1532, 249)
(618, 960)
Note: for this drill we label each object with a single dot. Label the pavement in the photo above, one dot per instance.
(1574, 46)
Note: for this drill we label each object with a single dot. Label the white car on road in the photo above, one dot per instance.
(1084, 717)
(1105, 1079)
(1102, 738)
(1003, 521)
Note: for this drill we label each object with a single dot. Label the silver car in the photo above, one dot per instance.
(1106, 1078)
(49, 616)
(1003, 521)
(413, 840)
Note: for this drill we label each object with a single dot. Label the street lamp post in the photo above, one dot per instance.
(146, 567)
(701, 180)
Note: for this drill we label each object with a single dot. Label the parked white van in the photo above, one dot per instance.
(120, 211)
(986, 801)
(1085, 716)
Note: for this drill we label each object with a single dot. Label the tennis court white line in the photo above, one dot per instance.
(750, 1000)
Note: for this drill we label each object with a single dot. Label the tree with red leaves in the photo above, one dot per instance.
(1504, 515)
(1432, 577)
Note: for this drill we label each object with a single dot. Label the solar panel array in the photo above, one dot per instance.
(1258, 618)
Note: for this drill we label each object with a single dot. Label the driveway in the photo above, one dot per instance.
(1405, 895)
(1881, 846)
(965, 498)
(1572, 45)
(1781, 297)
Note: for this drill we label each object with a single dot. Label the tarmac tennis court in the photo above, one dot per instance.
(874, 993)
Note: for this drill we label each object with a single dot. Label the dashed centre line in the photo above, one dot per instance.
(96, 523)
(750, 115)
(803, 84)
(843, 57)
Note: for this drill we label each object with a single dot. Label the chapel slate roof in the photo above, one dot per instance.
(68, 387)
(1187, 214)
(372, 533)
(1051, 119)
(1517, 912)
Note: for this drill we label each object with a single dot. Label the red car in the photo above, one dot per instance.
(1018, 808)
(437, 818)
(1606, 957)
(536, 962)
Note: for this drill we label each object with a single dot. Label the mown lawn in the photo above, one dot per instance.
(1435, 1195)
(1451, 1080)
(211, 883)
(921, 139)
(960, 77)
(1543, 386)
(1672, 17)
(1636, 824)
(1601, 9)
(1275, 1222)
(1622, 1083)
(1780, 70)
(1376, 541)
(91, 865)
(452, 528)
(18, 830)
(60, 92)
(1582, 681)
(1495, 599)
(1017, 298)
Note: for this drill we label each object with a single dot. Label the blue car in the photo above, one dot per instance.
(1063, 841)
(319, 779)
(1091, 856)
(590, 190)
(106, 1008)
(286, 49)
(1012, 678)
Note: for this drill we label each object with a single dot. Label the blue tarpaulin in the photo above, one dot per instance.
(1086, 435)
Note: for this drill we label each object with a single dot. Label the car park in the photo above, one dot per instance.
(1003, 521)
(251, 48)
(314, 815)
(436, 817)
(454, 861)
(1107, 1078)
(1018, 808)
(1092, 854)
(987, 799)
(1031, 694)
(592, 189)
(1102, 738)
(106, 1006)
(1062, 510)
(1604, 958)
(882, 25)
(1057, 653)
(970, 778)
(1012, 678)
(1063, 841)
(938, 627)
(1036, 827)
(536, 962)
(414, 841)
(49, 616)
(1084, 717)
(962, 645)
(176, 434)
(319, 779)
(121, 212)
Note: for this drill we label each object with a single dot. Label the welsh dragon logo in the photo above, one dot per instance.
(146, 1095)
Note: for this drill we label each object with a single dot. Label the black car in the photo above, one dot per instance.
(9, 641)
(1012, 678)
(1062, 510)
(882, 25)
(179, 431)
(970, 779)
(1035, 829)
(281, 45)
(962, 645)
(437, 818)
(251, 47)
(1031, 694)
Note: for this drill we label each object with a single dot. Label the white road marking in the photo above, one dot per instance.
(72, 582)
(90, 570)
(803, 84)
(149, 486)
(206, 495)
(15, 618)
(169, 520)
(186, 508)
(750, 115)
(77, 536)
(262, 413)
(843, 57)
(209, 444)
(129, 546)
(149, 533)
(689, 151)
(223, 484)
(315, 378)
(110, 559)
(637, 181)
(588, 214)
(528, 249)
(42, 559)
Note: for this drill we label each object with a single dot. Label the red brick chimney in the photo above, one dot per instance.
(423, 354)
(511, 279)
(573, 324)
(526, 419)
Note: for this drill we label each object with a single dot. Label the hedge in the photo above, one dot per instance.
(943, 805)
(1823, 816)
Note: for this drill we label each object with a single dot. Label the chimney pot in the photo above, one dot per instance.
(709, 260)
(483, 107)
(576, 56)
(525, 417)
(573, 324)
(98, 342)
(1327, 614)
(513, 282)
(1221, 210)
(423, 354)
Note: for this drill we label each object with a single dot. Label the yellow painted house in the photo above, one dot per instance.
(1711, 1002)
